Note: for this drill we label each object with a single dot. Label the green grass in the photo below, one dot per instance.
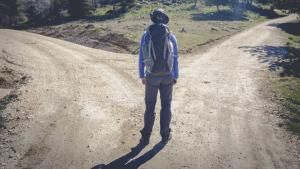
(288, 88)
(294, 40)
(182, 16)
(102, 11)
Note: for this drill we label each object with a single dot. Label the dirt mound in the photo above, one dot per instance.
(9, 77)
(120, 41)
(10, 81)
(91, 36)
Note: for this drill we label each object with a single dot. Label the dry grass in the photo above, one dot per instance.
(191, 31)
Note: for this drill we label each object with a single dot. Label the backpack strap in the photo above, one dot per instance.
(167, 29)
(152, 49)
(150, 43)
(167, 39)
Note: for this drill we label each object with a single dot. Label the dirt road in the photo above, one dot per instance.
(87, 108)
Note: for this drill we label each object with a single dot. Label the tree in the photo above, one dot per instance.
(249, 2)
(79, 8)
(43, 11)
(217, 3)
(126, 4)
(57, 6)
(290, 5)
(233, 3)
(9, 10)
(37, 11)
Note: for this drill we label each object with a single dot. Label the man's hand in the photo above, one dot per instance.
(174, 81)
(144, 80)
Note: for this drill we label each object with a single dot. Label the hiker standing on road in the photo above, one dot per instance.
(158, 70)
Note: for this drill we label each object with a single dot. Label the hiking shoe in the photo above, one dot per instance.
(166, 139)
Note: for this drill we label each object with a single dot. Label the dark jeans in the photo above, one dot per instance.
(165, 86)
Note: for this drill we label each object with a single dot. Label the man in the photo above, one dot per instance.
(158, 70)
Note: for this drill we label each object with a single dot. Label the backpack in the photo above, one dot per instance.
(148, 51)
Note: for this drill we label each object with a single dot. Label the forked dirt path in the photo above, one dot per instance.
(87, 107)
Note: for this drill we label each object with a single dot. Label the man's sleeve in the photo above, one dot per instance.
(141, 60)
(175, 63)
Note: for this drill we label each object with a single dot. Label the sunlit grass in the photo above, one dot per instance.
(288, 88)
(190, 33)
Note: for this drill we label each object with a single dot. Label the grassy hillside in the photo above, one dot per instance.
(287, 86)
(193, 26)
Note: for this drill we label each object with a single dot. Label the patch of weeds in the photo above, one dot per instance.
(10, 80)
(289, 90)
(11, 97)
(295, 39)
(288, 86)
(224, 15)
(194, 26)
(284, 61)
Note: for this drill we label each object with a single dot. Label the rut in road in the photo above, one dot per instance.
(88, 107)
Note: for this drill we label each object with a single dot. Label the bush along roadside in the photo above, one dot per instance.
(289, 91)
(288, 85)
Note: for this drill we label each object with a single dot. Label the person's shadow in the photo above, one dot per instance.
(124, 161)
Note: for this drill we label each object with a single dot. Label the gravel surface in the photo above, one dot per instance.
(86, 108)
